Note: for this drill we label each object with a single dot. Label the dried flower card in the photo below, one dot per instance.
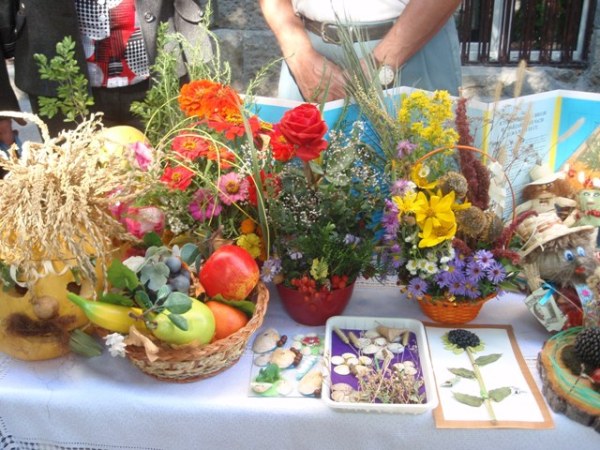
(482, 379)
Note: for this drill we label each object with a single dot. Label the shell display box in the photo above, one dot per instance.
(378, 364)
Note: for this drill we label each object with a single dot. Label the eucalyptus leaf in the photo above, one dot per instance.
(189, 253)
(135, 263)
(179, 321)
(467, 399)
(143, 300)
(178, 303)
(155, 275)
(487, 359)
(499, 394)
(116, 299)
(121, 277)
(315, 168)
(461, 372)
(163, 292)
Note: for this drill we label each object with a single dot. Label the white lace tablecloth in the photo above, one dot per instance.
(106, 403)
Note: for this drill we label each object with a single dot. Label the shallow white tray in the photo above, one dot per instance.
(368, 323)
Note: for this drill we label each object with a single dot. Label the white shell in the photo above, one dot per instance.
(409, 363)
(310, 382)
(372, 334)
(360, 370)
(259, 387)
(365, 360)
(348, 355)
(363, 342)
(283, 358)
(265, 341)
(262, 359)
(284, 387)
(410, 370)
(381, 341)
(297, 345)
(395, 347)
(342, 369)
(344, 387)
(337, 360)
(371, 349)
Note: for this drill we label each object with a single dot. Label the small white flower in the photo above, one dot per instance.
(295, 256)
(431, 267)
(424, 171)
(411, 266)
(115, 344)
(444, 259)
(421, 264)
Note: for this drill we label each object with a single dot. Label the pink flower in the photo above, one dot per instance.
(232, 188)
(204, 205)
(142, 220)
(143, 155)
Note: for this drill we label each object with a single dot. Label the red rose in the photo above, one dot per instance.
(304, 127)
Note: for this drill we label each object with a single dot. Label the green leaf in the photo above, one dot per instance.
(465, 373)
(116, 299)
(470, 400)
(269, 374)
(189, 253)
(163, 292)
(179, 321)
(122, 277)
(152, 239)
(499, 394)
(178, 303)
(154, 275)
(245, 306)
(143, 300)
(487, 359)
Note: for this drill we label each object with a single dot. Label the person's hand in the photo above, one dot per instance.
(315, 75)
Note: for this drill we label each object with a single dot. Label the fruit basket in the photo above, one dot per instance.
(189, 363)
(346, 338)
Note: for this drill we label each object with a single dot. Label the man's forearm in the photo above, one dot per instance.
(417, 24)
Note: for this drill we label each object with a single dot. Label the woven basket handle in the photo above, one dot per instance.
(30, 117)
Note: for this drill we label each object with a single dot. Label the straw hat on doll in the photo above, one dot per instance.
(543, 174)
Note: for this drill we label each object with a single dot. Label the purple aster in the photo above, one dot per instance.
(350, 239)
(474, 271)
(204, 205)
(270, 268)
(401, 187)
(456, 264)
(390, 224)
(417, 287)
(484, 258)
(495, 272)
(233, 188)
(471, 290)
(443, 279)
(405, 148)
(457, 283)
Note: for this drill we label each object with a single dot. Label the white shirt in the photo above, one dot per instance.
(349, 11)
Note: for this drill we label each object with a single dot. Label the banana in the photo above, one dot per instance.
(111, 317)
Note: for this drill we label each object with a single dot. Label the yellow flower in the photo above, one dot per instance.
(405, 204)
(435, 218)
(251, 243)
(418, 175)
(319, 269)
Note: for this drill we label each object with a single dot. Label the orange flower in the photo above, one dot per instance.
(207, 99)
(247, 226)
(189, 145)
(177, 177)
(233, 127)
(220, 154)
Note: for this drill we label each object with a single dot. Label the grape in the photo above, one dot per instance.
(180, 284)
(174, 264)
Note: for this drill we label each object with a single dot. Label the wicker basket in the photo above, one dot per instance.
(445, 311)
(191, 363)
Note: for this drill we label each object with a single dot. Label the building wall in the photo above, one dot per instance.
(248, 44)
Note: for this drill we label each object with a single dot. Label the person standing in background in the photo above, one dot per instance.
(411, 42)
(115, 47)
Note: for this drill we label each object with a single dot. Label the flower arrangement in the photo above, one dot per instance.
(320, 203)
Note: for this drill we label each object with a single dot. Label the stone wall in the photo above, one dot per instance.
(248, 44)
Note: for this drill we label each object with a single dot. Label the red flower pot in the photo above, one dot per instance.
(314, 309)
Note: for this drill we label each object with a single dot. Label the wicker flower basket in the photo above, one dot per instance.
(191, 363)
(446, 311)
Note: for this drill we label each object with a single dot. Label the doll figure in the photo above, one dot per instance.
(588, 209)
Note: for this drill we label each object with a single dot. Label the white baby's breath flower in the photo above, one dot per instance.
(431, 267)
(115, 344)
(422, 263)
(411, 266)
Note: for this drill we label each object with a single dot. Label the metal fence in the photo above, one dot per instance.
(543, 32)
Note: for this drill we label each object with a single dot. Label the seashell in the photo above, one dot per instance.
(410, 370)
(409, 363)
(365, 360)
(363, 342)
(337, 360)
(284, 387)
(297, 345)
(341, 396)
(372, 334)
(398, 367)
(395, 347)
(381, 341)
(283, 358)
(371, 349)
(348, 355)
(342, 369)
(352, 361)
(260, 387)
(298, 337)
(262, 359)
(344, 387)
(311, 382)
(360, 370)
(265, 341)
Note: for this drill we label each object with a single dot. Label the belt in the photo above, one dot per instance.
(333, 33)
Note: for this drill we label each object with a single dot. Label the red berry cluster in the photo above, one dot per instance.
(339, 282)
(308, 286)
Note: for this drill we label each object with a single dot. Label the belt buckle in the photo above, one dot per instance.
(325, 27)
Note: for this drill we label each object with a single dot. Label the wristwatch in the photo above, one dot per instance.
(386, 74)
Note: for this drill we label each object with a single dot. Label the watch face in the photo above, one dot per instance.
(386, 75)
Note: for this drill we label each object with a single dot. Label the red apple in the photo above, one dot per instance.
(230, 272)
